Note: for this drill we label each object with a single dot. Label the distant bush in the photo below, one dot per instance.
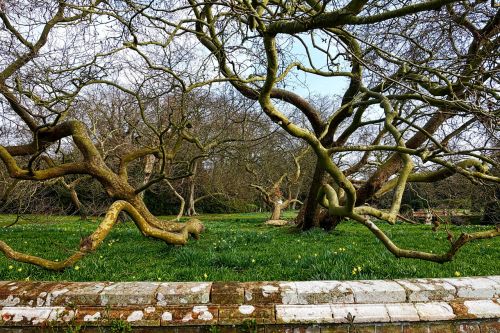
(164, 203)
(161, 204)
(221, 205)
(491, 213)
(462, 203)
(418, 204)
(406, 210)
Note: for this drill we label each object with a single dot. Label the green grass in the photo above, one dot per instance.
(239, 247)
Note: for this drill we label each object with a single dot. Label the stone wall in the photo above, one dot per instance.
(421, 305)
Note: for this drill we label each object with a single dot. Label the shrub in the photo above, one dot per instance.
(491, 213)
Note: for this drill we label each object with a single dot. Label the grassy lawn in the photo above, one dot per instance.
(240, 248)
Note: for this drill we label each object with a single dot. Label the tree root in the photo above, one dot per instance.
(177, 233)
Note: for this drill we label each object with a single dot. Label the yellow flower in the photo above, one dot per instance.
(11, 267)
(19, 269)
(299, 256)
(159, 279)
(100, 257)
(27, 279)
(205, 275)
(315, 254)
(253, 260)
(77, 268)
(457, 273)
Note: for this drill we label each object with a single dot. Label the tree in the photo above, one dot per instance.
(42, 83)
(278, 196)
(420, 80)
(223, 123)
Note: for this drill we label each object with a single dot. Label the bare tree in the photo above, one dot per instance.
(40, 83)
(421, 77)
(279, 195)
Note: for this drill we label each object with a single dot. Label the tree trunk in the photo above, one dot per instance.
(276, 213)
(296, 197)
(80, 209)
(310, 215)
(181, 200)
(191, 211)
(149, 163)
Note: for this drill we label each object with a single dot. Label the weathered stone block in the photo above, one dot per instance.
(8, 294)
(262, 293)
(27, 293)
(495, 278)
(78, 293)
(316, 292)
(288, 292)
(61, 316)
(377, 291)
(474, 287)
(227, 293)
(25, 316)
(425, 290)
(190, 315)
(360, 313)
(237, 314)
(135, 316)
(91, 316)
(178, 293)
(304, 314)
(401, 312)
(483, 308)
(434, 311)
(129, 293)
